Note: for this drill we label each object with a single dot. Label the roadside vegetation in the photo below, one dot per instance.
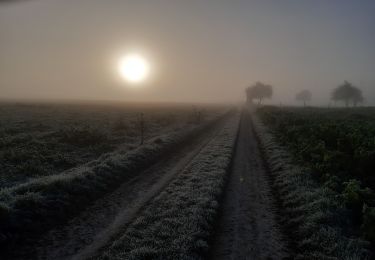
(326, 178)
(178, 223)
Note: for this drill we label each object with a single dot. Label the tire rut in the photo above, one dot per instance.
(248, 227)
(94, 227)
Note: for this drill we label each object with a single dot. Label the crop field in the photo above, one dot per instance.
(38, 140)
(56, 159)
(206, 182)
(333, 187)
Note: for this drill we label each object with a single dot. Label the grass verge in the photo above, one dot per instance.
(178, 223)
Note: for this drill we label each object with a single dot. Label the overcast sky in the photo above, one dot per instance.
(201, 51)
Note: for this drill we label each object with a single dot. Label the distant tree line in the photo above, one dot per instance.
(346, 93)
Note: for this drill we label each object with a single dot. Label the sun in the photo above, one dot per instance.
(133, 68)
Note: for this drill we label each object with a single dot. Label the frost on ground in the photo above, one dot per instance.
(248, 227)
(93, 228)
(38, 140)
(31, 208)
(311, 213)
(177, 224)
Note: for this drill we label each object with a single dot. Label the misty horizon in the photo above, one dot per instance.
(175, 129)
(198, 51)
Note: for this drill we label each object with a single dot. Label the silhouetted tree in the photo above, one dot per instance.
(357, 98)
(259, 91)
(304, 96)
(347, 93)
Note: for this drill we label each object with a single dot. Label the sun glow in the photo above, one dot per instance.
(133, 68)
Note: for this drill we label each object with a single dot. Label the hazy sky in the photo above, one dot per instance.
(199, 50)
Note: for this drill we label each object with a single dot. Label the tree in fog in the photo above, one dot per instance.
(304, 96)
(259, 91)
(357, 98)
(347, 93)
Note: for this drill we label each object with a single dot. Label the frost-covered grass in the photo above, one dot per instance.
(33, 207)
(177, 224)
(313, 214)
(338, 146)
(38, 140)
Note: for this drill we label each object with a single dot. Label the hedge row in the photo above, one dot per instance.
(177, 224)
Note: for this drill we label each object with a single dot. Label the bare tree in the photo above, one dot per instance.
(259, 91)
(347, 93)
(304, 96)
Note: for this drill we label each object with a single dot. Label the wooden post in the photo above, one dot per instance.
(142, 128)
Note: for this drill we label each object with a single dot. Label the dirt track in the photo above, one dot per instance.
(93, 228)
(248, 226)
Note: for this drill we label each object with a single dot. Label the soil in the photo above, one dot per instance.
(248, 226)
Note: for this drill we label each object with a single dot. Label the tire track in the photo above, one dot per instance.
(248, 227)
(95, 227)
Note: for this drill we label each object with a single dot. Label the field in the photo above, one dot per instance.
(44, 139)
(207, 182)
(57, 158)
(336, 147)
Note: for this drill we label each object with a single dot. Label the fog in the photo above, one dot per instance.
(199, 51)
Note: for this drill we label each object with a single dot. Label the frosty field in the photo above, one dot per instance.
(44, 139)
(207, 182)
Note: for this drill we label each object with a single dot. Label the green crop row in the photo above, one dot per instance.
(177, 224)
(321, 162)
